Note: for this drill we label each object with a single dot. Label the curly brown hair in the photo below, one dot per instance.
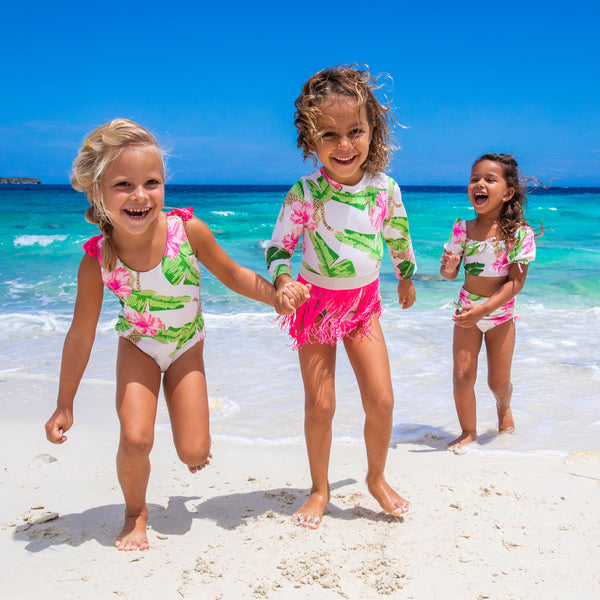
(350, 82)
(512, 215)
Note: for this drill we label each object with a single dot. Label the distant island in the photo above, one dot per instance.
(19, 180)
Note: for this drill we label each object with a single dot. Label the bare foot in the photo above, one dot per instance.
(311, 512)
(133, 535)
(506, 423)
(391, 502)
(196, 468)
(466, 437)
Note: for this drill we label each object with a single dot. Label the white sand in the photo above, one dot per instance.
(480, 525)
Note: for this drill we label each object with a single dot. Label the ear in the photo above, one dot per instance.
(311, 145)
(510, 192)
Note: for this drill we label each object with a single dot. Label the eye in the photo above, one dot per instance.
(328, 135)
(153, 182)
(123, 184)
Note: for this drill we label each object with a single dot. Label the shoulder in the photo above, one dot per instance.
(185, 213)
(197, 231)
(93, 247)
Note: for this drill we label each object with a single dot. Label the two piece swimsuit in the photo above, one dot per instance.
(490, 258)
(160, 308)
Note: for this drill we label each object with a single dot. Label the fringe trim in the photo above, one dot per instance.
(330, 315)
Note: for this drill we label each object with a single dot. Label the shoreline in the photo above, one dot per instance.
(480, 525)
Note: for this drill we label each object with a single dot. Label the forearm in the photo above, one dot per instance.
(75, 357)
(504, 294)
(250, 284)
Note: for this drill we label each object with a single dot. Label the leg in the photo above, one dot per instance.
(138, 383)
(369, 359)
(500, 344)
(465, 349)
(187, 400)
(317, 364)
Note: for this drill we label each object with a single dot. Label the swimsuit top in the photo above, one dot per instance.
(491, 258)
(343, 231)
(164, 302)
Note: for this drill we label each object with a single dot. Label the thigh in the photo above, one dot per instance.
(317, 365)
(184, 385)
(500, 345)
(370, 362)
(138, 384)
(466, 345)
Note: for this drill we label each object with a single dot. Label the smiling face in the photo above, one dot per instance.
(343, 139)
(488, 190)
(133, 190)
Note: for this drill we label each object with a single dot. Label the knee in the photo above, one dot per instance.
(464, 377)
(194, 453)
(381, 406)
(500, 387)
(136, 443)
(319, 410)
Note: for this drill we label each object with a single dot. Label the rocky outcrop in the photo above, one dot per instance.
(18, 180)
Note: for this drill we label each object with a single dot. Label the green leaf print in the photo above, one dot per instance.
(518, 245)
(401, 224)
(397, 244)
(369, 243)
(274, 253)
(122, 324)
(406, 269)
(281, 269)
(327, 259)
(323, 193)
(141, 300)
(297, 190)
(474, 268)
(472, 249)
(174, 270)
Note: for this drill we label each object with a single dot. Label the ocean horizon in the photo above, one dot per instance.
(253, 377)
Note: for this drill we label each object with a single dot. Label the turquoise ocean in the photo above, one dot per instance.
(253, 377)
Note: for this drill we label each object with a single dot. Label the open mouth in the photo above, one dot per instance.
(480, 197)
(137, 213)
(344, 161)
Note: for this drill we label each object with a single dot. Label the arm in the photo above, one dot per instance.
(237, 278)
(450, 265)
(472, 313)
(77, 347)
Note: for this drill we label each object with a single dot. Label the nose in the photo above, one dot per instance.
(140, 192)
(344, 142)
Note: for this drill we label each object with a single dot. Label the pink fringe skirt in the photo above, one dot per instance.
(330, 315)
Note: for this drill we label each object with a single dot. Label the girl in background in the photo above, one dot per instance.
(497, 246)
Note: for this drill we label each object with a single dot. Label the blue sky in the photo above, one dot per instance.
(216, 84)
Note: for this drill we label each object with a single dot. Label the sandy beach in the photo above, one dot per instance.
(481, 525)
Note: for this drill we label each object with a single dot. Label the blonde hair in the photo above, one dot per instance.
(350, 82)
(99, 150)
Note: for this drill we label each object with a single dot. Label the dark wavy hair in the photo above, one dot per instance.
(512, 214)
(350, 82)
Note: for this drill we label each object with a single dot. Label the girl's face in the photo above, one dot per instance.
(343, 139)
(488, 190)
(133, 190)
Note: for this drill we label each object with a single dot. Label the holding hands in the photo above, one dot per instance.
(290, 296)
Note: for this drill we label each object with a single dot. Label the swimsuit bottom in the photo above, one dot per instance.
(500, 315)
(330, 315)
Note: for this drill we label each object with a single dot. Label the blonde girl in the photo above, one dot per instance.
(149, 260)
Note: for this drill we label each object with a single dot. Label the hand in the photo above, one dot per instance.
(58, 424)
(450, 261)
(291, 296)
(468, 315)
(406, 293)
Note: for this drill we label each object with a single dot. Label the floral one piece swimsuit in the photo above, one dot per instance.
(490, 258)
(160, 308)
